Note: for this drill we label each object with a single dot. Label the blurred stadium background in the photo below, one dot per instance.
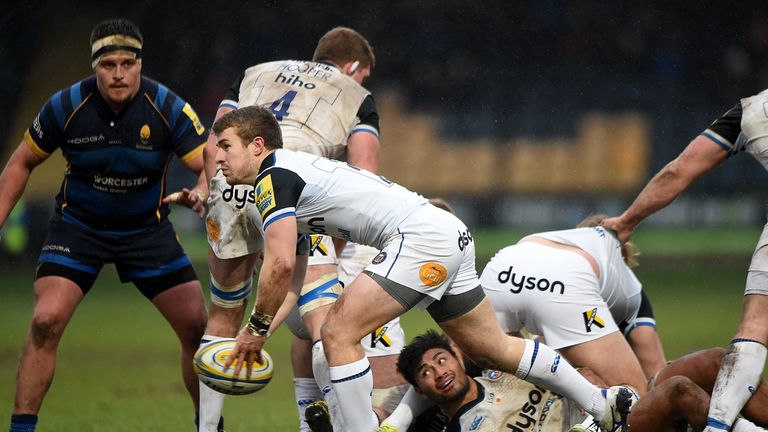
(525, 115)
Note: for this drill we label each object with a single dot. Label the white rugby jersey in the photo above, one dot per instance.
(332, 198)
(617, 281)
(317, 105)
(507, 403)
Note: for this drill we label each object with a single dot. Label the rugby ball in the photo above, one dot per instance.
(209, 365)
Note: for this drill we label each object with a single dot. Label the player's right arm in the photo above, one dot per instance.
(698, 158)
(14, 178)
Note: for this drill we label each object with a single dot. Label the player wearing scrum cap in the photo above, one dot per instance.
(118, 131)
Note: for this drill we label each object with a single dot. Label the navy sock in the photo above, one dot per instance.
(23, 422)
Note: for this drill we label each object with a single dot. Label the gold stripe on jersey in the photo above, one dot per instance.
(197, 151)
(151, 102)
(42, 154)
(193, 117)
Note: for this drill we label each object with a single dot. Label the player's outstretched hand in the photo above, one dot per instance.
(193, 199)
(247, 350)
(617, 224)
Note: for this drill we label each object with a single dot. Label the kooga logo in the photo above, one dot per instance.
(529, 282)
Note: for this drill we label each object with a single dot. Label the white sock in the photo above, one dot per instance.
(322, 373)
(306, 391)
(744, 425)
(211, 401)
(542, 366)
(739, 376)
(410, 407)
(353, 384)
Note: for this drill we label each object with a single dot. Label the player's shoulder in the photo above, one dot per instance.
(64, 101)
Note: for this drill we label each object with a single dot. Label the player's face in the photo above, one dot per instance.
(360, 75)
(118, 77)
(441, 377)
(235, 158)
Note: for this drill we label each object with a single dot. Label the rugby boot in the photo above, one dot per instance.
(318, 417)
(618, 404)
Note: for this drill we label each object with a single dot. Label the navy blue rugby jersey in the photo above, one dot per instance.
(116, 163)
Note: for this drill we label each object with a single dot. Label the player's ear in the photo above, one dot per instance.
(258, 146)
(350, 68)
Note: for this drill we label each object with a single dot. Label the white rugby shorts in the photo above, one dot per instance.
(233, 222)
(552, 292)
(432, 252)
(388, 339)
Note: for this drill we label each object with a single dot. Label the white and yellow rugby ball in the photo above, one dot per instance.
(209, 365)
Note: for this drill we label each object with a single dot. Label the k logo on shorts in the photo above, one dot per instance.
(432, 274)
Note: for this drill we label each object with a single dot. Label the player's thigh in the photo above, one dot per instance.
(667, 407)
(701, 367)
(361, 308)
(611, 358)
(56, 299)
(478, 333)
(184, 309)
(231, 271)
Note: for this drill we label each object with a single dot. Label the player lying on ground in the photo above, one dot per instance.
(677, 398)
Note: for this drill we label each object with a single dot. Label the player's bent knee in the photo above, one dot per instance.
(318, 293)
(230, 296)
(46, 327)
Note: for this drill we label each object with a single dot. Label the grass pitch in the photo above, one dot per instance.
(118, 360)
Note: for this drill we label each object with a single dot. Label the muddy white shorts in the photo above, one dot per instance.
(233, 221)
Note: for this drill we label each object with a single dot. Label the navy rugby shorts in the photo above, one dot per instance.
(151, 258)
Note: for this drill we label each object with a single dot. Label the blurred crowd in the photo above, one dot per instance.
(492, 68)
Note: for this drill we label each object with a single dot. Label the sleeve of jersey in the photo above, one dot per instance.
(45, 133)
(369, 117)
(232, 96)
(277, 193)
(726, 129)
(187, 132)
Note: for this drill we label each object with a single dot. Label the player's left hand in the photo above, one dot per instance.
(194, 199)
(247, 350)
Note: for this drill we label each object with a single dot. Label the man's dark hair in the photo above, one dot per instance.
(116, 26)
(343, 45)
(250, 122)
(411, 356)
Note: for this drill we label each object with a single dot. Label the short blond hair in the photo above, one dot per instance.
(250, 122)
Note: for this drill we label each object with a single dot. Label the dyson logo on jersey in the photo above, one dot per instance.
(525, 418)
(239, 195)
(529, 282)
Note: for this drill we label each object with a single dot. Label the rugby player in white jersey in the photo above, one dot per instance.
(322, 109)
(426, 257)
(496, 401)
(574, 288)
(743, 128)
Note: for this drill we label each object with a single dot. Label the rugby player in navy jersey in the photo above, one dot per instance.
(118, 132)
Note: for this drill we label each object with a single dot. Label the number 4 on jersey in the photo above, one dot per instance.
(280, 107)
